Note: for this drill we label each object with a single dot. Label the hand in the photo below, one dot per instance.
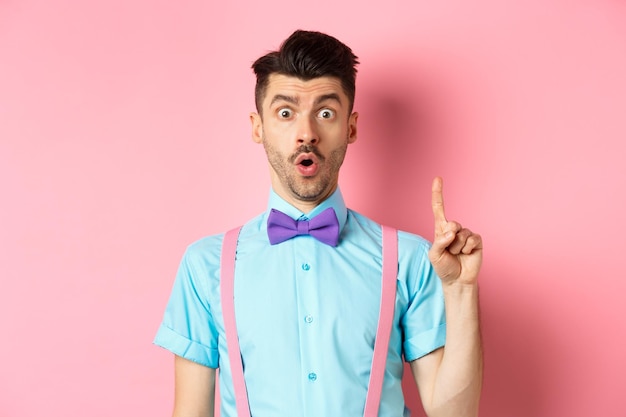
(456, 253)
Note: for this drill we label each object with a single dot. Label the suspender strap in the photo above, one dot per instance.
(383, 332)
(227, 288)
(385, 321)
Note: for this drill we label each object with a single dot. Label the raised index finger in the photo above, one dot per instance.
(437, 201)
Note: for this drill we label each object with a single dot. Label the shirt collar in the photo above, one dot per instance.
(335, 201)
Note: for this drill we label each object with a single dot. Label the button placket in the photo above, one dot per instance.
(307, 281)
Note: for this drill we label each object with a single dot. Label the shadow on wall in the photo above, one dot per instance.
(518, 351)
(405, 131)
(399, 127)
(520, 358)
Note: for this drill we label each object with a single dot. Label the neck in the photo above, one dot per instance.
(305, 206)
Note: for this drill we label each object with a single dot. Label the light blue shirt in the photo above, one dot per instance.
(307, 315)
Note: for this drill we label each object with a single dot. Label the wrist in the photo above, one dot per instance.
(460, 288)
(461, 300)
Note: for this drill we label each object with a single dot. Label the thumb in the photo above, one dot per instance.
(440, 244)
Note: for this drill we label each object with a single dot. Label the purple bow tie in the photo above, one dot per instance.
(324, 227)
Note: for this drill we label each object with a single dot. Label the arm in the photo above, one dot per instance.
(194, 394)
(450, 378)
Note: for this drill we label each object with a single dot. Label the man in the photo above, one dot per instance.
(307, 311)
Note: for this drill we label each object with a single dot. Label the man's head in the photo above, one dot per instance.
(304, 119)
(307, 55)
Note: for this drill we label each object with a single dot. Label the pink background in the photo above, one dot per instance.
(123, 124)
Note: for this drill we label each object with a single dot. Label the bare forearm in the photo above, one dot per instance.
(458, 382)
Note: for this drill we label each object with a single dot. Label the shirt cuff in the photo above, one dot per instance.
(424, 343)
(188, 349)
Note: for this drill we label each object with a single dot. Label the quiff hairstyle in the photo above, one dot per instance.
(307, 55)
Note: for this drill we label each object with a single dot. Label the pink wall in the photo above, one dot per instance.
(121, 120)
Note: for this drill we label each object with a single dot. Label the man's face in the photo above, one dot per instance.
(305, 129)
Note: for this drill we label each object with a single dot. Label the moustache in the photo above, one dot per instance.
(307, 149)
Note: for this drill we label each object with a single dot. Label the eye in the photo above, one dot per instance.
(326, 114)
(285, 113)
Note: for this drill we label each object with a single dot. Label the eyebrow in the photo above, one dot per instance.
(282, 97)
(296, 100)
(325, 97)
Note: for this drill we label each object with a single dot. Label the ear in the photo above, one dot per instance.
(257, 127)
(352, 127)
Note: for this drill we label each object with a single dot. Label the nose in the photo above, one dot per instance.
(307, 132)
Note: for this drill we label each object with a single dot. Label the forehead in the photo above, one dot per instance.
(303, 91)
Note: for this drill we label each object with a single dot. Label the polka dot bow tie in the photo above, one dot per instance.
(324, 227)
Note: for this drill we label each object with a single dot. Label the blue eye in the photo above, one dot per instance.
(326, 114)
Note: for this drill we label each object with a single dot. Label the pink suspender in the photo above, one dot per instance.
(227, 287)
(385, 321)
(381, 344)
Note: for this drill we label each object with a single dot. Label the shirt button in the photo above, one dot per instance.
(308, 319)
(312, 376)
(306, 267)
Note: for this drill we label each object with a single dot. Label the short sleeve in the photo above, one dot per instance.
(188, 328)
(423, 323)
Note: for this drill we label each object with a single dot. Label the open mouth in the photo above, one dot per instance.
(307, 164)
(305, 159)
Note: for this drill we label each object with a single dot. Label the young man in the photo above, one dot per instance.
(307, 310)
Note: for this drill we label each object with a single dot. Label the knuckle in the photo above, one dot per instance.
(454, 226)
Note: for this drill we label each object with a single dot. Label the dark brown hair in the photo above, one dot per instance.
(307, 55)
